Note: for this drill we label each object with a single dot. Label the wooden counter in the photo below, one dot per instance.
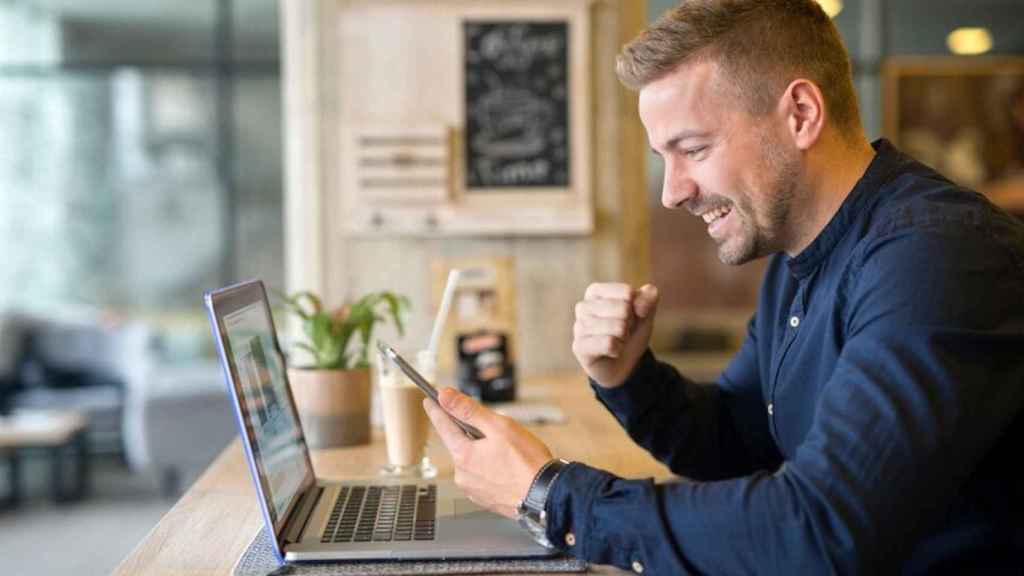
(213, 523)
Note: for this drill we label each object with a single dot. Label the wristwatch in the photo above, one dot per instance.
(530, 512)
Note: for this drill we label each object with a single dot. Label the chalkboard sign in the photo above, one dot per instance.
(517, 120)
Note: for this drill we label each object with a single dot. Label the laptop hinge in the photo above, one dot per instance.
(303, 512)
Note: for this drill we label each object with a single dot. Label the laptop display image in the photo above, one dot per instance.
(362, 518)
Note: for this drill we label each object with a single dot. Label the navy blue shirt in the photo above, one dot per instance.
(870, 423)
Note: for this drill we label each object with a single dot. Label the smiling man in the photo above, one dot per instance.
(872, 420)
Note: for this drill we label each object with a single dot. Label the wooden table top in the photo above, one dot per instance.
(213, 523)
(39, 428)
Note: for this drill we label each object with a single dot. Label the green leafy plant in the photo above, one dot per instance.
(329, 334)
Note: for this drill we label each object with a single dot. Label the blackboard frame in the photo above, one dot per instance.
(565, 209)
(516, 92)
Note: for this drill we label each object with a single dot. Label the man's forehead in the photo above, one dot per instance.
(680, 104)
(690, 77)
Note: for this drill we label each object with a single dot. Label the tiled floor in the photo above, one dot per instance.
(85, 538)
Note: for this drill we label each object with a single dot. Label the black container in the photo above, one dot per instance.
(485, 370)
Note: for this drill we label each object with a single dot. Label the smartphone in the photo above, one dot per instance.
(427, 388)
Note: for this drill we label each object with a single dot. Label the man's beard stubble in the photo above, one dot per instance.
(769, 228)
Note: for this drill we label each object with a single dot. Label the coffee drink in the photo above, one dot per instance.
(405, 423)
(406, 426)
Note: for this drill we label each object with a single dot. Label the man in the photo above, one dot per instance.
(871, 420)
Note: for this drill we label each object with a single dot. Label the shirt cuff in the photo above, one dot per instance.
(638, 393)
(601, 518)
(568, 505)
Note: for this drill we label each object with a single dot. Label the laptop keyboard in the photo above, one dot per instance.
(382, 514)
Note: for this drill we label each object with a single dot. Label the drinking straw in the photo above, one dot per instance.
(442, 312)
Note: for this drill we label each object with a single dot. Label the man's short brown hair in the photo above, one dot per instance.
(760, 46)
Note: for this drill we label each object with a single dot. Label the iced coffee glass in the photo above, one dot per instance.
(406, 426)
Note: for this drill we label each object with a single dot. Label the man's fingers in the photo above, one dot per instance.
(619, 309)
(612, 290)
(597, 346)
(601, 327)
(646, 301)
(452, 436)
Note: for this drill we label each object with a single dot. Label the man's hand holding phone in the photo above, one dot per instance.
(495, 458)
(494, 472)
(425, 386)
(613, 329)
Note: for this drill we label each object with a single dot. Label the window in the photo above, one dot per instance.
(140, 160)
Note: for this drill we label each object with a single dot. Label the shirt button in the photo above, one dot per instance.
(794, 321)
(570, 539)
(638, 567)
(771, 409)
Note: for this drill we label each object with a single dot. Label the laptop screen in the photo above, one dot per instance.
(278, 449)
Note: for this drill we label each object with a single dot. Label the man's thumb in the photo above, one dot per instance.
(462, 407)
(646, 301)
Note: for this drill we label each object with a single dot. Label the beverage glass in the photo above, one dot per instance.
(406, 426)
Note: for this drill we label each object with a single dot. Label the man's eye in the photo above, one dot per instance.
(691, 152)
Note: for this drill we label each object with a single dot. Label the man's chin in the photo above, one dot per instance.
(731, 254)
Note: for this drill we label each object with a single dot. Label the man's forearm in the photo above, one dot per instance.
(681, 423)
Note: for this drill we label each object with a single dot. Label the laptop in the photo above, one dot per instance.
(313, 519)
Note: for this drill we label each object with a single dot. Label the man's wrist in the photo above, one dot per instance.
(531, 510)
(537, 494)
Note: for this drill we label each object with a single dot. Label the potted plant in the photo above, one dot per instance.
(332, 391)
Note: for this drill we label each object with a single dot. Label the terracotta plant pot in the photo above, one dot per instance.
(333, 405)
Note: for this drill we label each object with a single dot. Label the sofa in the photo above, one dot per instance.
(164, 415)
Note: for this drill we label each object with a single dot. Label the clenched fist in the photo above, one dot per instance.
(612, 330)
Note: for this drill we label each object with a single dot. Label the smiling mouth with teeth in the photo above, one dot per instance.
(712, 215)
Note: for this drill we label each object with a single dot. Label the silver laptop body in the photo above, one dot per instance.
(314, 519)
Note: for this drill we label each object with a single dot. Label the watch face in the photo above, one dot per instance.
(536, 530)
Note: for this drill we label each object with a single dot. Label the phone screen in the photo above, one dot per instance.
(425, 386)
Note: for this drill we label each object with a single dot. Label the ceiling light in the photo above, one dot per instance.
(969, 41)
(831, 7)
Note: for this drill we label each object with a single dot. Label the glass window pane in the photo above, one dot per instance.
(143, 176)
(149, 32)
(256, 34)
(259, 229)
(124, 209)
(921, 26)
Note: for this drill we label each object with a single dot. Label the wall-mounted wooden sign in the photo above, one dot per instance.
(475, 121)
(516, 110)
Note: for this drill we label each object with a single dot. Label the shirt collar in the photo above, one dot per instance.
(877, 174)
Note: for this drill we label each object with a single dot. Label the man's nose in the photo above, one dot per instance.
(677, 189)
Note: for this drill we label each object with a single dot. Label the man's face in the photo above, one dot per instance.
(734, 170)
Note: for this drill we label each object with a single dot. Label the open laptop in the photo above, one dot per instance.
(315, 519)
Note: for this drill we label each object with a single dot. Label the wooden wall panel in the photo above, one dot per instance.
(551, 271)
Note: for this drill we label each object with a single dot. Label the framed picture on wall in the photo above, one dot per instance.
(962, 116)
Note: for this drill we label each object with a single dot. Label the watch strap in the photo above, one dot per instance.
(537, 495)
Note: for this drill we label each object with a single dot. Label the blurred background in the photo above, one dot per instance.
(142, 156)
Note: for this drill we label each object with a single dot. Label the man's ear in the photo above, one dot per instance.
(803, 106)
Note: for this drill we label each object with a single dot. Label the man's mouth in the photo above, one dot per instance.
(712, 215)
(716, 219)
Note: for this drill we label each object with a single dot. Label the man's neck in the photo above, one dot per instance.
(832, 172)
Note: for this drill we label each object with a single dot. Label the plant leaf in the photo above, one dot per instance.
(328, 336)
(396, 305)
